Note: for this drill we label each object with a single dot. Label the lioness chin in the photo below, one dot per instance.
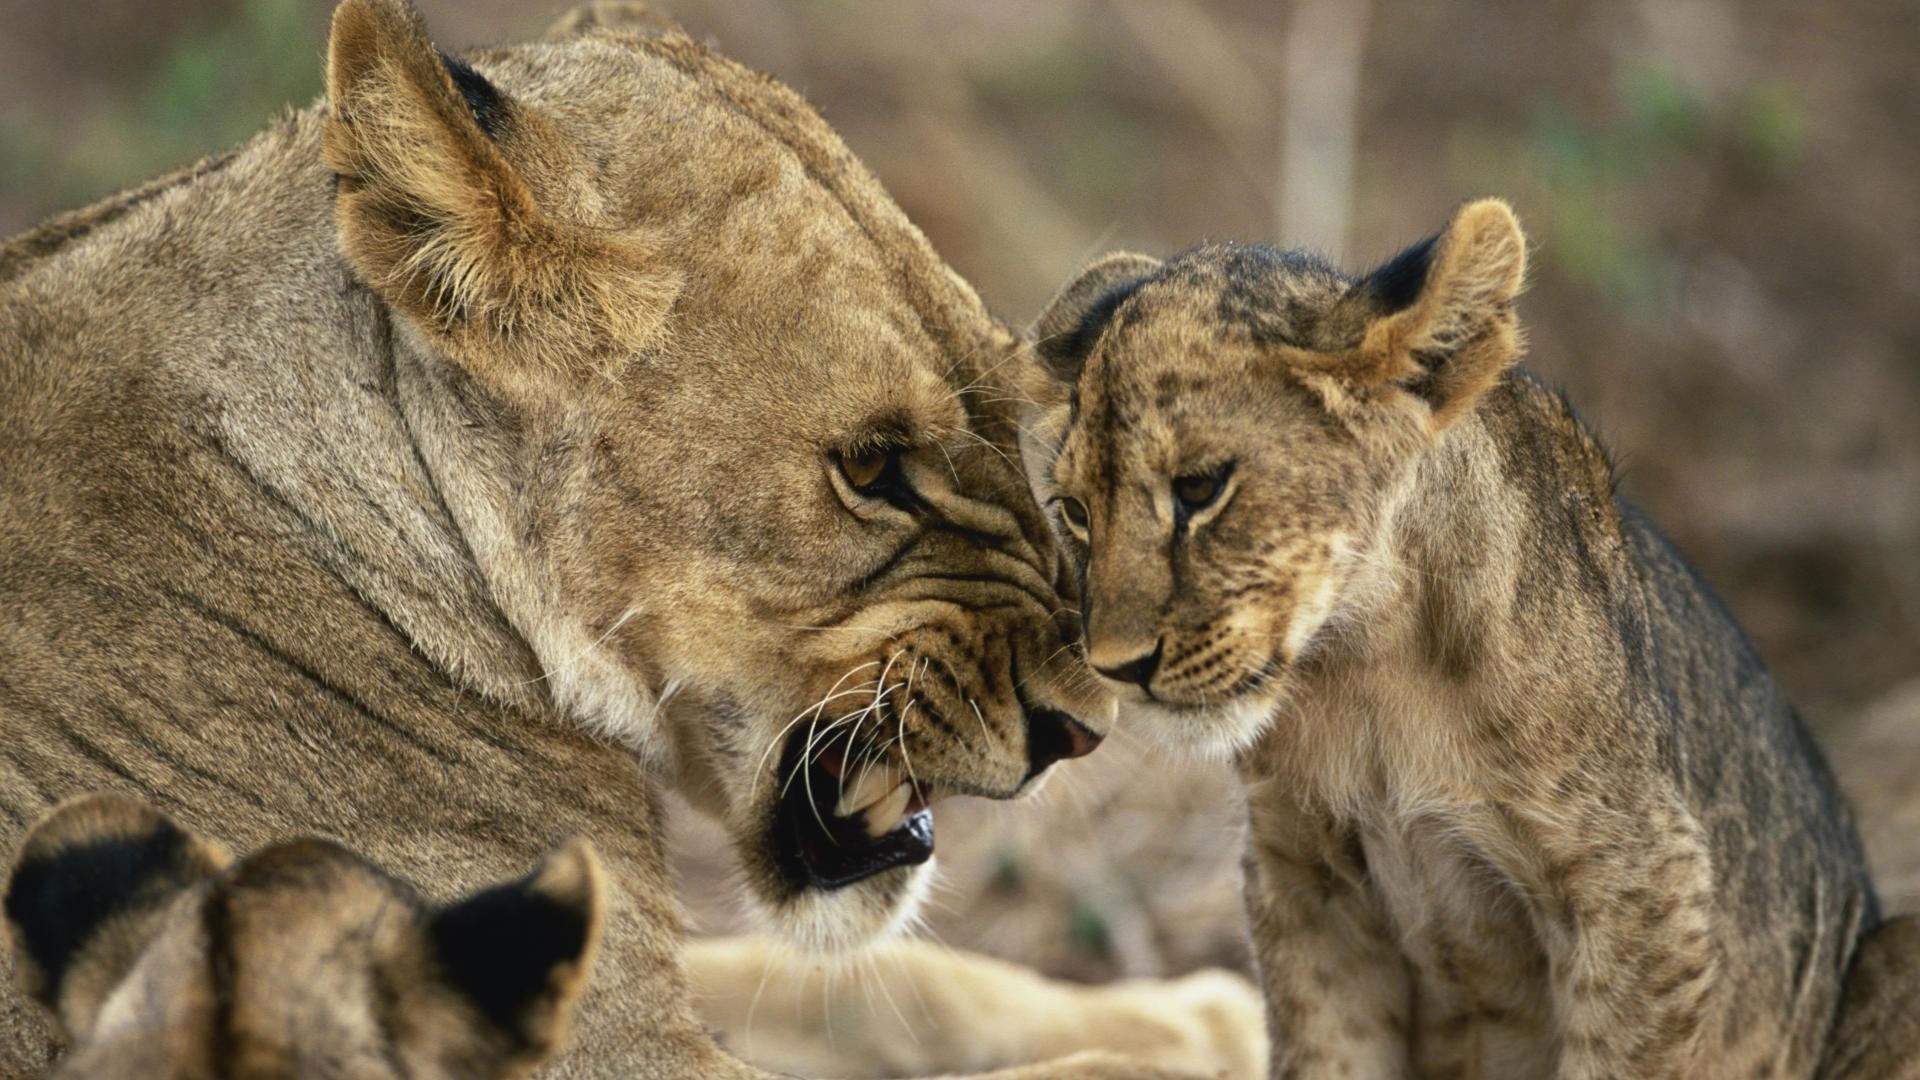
(500, 439)
(1524, 800)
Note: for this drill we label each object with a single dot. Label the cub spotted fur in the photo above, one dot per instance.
(501, 440)
(161, 958)
(1524, 801)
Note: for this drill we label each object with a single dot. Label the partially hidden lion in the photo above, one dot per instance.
(1523, 799)
(470, 457)
(163, 958)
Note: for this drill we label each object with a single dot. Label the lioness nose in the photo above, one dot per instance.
(1139, 670)
(1053, 735)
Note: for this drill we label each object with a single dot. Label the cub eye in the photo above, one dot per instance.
(1074, 511)
(864, 469)
(1196, 491)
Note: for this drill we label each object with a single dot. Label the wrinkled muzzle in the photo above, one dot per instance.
(965, 702)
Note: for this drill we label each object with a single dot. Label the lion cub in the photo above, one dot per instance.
(1524, 801)
(160, 957)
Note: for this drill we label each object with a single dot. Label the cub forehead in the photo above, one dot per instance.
(1223, 295)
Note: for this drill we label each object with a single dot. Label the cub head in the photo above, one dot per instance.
(723, 434)
(1221, 435)
(163, 959)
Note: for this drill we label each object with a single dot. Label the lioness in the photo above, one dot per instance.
(470, 455)
(138, 935)
(1524, 801)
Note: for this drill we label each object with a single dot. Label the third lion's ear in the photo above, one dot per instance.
(520, 953)
(1438, 317)
(86, 892)
(434, 214)
(1072, 321)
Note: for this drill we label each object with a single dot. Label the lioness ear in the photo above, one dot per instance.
(521, 952)
(86, 893)
(433, 214)
(626, 16)
(1439, 315)
(1072, 321)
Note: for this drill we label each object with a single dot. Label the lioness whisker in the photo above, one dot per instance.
(832, 693)
(582, 654)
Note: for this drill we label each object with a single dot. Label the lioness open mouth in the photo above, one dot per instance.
(842, 819)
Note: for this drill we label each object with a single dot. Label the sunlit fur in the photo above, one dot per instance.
(918, 1008)
(1523, 799)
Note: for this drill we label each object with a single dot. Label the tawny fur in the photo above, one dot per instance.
(1524, 801)
(916, 1008)
(176, 963)
(453, 487)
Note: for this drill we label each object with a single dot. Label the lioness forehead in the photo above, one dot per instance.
(1218, 301)
(767, 210)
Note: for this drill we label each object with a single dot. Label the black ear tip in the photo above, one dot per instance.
(1065, 351)
(484, 100)
(83, 864)
(516, 947)
(1397, 283)
(1073, 320)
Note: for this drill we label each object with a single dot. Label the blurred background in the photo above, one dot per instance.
(1722, 193)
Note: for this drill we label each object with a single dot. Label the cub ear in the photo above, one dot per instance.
(433, 214)
(521, 952)
(86, 893)
(1438, 317)
(625, 16)
(1072, 321)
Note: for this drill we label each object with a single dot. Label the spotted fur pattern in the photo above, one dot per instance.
(1524, 801)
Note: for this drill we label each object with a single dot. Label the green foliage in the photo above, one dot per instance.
(1773, 128)
(1583, 169)
(23, 153)
(1051, 71)
(1089, 932)
(1008, 874)
(1053, 86)
(214, 86)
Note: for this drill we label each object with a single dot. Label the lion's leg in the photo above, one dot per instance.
(1634, 967)
(1339, 995)
(1877, 1033)
(911, 1008)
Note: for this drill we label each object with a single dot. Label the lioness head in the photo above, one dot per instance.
(163, 959)
(1225, 434)
(723, 434)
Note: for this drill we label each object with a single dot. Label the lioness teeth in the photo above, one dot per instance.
(884, 816)
(865, 786)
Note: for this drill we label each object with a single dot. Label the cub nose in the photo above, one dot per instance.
(1052, 736)
(1139, 670)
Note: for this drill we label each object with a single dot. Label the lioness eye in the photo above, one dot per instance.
(1196, 491)
(864, 468)
(1075, 511)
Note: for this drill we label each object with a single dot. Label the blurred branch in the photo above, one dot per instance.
(1005, 194)
(1198, 57)
(1325, 43)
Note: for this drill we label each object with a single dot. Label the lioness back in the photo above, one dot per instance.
(1524, 799)
(163, 959)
